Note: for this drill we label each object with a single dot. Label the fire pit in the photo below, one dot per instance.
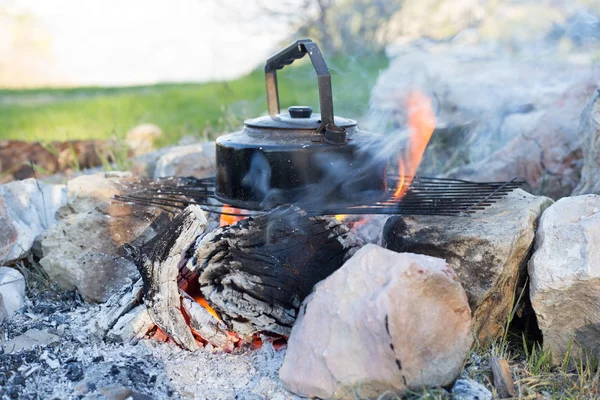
(286, 176)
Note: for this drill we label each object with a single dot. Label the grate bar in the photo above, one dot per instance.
(425, 196)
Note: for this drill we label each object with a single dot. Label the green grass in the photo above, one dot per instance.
(205, 109)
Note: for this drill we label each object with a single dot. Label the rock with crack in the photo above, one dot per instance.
(589, 136)
(83, 249)
(361, 332)
(27, 209)
(488, 251)
(565, 276)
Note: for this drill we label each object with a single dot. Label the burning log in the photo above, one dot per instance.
(158, 261)
(239, 280)
(257, 272)
(205, 325)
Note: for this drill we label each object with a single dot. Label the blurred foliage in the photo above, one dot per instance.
(340, 26)
(201, 110)
(355, 26)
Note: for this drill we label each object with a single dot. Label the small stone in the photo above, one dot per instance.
(116, 392)
(18, 379)
(564, 276)
(12, 292)
(30, 339)
(74, 371)
(13, 392)
(52, 363)
(98, 359)
(142, 138)
(197, 160)
(114, 370)
(363, 332)
(468, 389)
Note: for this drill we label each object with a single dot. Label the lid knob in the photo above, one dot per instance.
(300, 111)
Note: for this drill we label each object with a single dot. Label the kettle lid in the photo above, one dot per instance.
(297, 117)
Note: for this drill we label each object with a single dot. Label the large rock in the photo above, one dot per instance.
(497, 117)
(589, 137)
(565, 275)
(488, 251)
(383, 321)
(548, 156)
(83, 249)
(197, 160)
(470, 84)
(27, 208)
(12, 292)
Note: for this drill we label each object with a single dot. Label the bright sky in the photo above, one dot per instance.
(124, 42)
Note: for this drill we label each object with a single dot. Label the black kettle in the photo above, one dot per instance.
(299, 157)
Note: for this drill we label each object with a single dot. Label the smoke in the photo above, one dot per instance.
(491, 76)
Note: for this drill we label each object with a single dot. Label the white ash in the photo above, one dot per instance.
(82, 366)
(205, 375)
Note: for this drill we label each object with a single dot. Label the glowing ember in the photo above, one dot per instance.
(159, 335)
(421, 123)
(230, 219)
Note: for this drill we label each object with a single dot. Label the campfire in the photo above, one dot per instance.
(286, 222)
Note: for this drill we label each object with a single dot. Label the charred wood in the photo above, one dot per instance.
(205, 325)
(159, 261)
(257, 272)
(253, 274)
(115, 308)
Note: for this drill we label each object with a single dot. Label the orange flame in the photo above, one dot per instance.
(421, 123)
(353, 222)
(229, 219)
(202, 301)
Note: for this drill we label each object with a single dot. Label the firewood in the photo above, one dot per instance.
(257, 272)
(131, 327)
(254, 274)
(115, 308)
(206, 325)
(158, 261)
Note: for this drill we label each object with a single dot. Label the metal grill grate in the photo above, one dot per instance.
(426, 196)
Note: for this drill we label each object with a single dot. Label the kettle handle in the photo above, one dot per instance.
(296, 51)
